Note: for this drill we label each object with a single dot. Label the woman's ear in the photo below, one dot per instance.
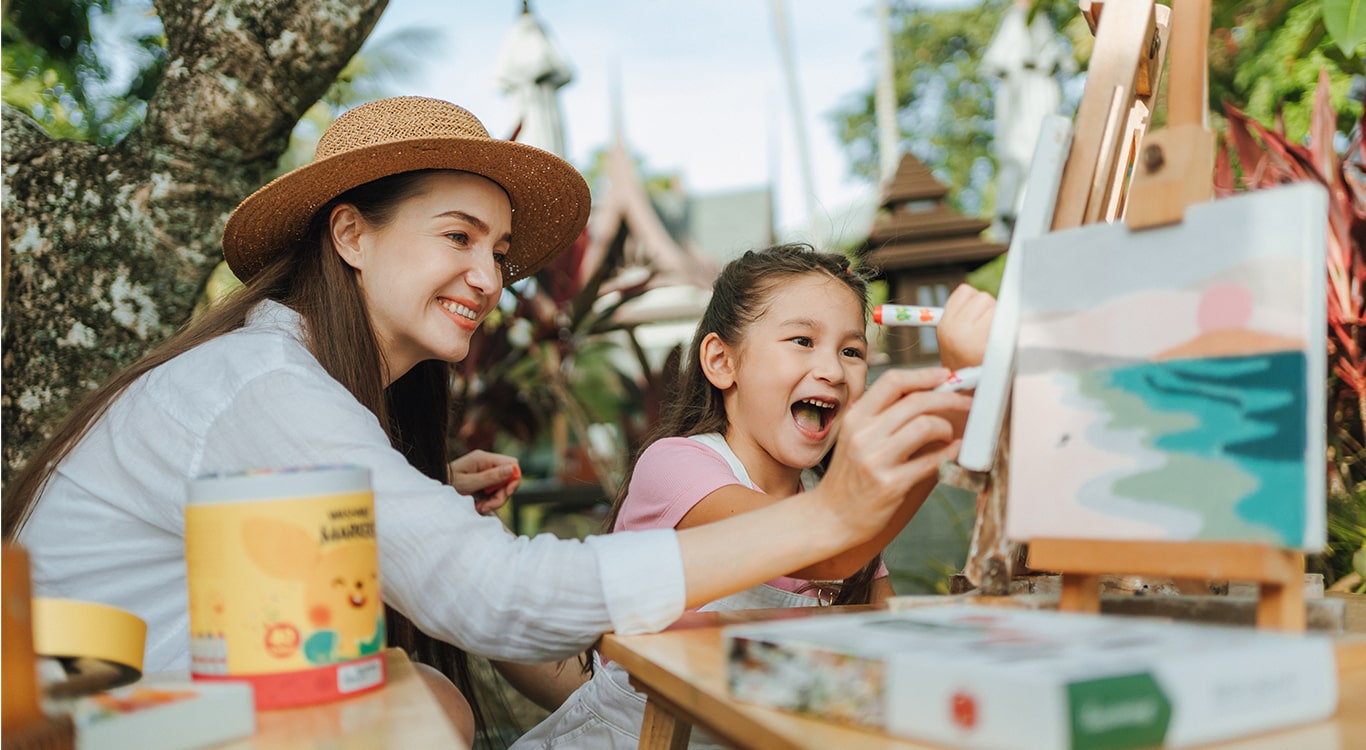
(717, 362)
(346, 226)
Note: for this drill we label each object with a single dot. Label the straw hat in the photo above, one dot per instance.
(549, 197)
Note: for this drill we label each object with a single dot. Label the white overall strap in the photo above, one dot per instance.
(717, 442)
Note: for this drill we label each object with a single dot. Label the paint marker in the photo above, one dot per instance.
(907, 315)
(963, 380)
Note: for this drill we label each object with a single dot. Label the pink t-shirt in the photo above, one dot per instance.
(672, 476)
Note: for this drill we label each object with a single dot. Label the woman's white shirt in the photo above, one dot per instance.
(109, 526)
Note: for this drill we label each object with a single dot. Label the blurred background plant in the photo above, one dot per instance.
(543, 379)
(54, 70)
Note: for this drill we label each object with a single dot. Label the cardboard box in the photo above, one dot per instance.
(1003, 678)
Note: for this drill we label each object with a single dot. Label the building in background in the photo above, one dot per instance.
(532, 71)
(923, 248)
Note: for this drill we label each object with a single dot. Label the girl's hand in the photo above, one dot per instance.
(963, 330)
(893, 439)
(490, 478)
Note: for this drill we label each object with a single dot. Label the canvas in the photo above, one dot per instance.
(1170, 382)
(991, 398)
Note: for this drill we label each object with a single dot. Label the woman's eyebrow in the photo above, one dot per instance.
(478, 223)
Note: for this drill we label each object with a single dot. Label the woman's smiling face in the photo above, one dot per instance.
(433, 272)
(797, 369)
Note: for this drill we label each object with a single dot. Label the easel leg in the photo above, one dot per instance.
(662, 729)
(1281, 607)
(1080, 593)
(991, 556)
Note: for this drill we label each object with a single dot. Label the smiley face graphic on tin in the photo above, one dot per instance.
(340, 585)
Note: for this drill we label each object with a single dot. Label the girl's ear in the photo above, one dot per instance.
(346, 226)
(717, 361)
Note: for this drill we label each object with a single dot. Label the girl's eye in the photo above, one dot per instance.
(852, 352)
(501, 259)
(459, 238)
(801, 340)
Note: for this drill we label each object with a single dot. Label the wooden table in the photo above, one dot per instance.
(682, 671)
(402, 714)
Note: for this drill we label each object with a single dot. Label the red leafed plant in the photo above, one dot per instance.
(1265, 157)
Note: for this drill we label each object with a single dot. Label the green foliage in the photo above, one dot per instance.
(1346, 551)
(988, 276)
(1264, 55)
(944, 105)
(1265, 58)
(1345, 21)
(52, 68)
(597, 382)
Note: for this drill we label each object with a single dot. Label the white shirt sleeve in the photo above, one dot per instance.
(457, 575)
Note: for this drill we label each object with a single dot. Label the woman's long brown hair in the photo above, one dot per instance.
(739, 297)
(317, 284)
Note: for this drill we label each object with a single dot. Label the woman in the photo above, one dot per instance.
(366, 272)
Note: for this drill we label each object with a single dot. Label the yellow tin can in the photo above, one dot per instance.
(284, 583)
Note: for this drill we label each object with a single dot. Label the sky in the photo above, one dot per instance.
(700, 84)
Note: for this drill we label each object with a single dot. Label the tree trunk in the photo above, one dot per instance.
(108, 248)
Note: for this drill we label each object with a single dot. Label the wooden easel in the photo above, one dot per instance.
(1112, 117)
(1172, 170)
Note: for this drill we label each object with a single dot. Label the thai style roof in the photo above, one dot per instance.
(916, 227)
(625, 215)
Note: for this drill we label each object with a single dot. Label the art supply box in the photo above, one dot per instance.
(1002, 678)
(163, 716)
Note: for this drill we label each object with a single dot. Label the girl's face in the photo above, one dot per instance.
(796, 371)
(434, 272)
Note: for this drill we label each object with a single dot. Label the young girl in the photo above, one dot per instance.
(366, 272)
(777, 361)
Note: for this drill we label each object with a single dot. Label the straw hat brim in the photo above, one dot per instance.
(550, 199)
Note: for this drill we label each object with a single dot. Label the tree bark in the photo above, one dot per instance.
(108, 248)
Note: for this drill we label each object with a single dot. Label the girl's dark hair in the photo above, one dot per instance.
(316, 283)
(739, 297)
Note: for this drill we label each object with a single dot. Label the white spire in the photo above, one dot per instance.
(531, 69)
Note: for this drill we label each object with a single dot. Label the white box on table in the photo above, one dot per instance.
(1001, 678)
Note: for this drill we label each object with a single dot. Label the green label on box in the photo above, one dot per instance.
(1118, 712)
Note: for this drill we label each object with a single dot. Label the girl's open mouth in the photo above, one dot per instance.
(813, 416)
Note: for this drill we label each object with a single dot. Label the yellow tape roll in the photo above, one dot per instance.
(65, 628)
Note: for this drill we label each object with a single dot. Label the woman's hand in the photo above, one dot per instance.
(490, 478)
(885, 462)
(964, 328)
(892, 442)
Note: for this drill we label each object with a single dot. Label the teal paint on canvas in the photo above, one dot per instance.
(1233, 432)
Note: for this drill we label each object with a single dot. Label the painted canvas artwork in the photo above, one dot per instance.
(1170, 382)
